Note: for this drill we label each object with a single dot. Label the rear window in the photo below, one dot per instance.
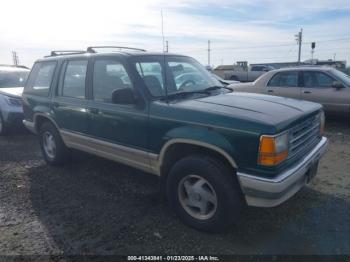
(13, 78)
(40, 78)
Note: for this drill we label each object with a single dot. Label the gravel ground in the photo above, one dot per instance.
(94, 206)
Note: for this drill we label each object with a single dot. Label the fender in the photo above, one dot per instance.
(201, 137)
(46, 115)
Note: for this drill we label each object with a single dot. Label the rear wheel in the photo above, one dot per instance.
(51, 144)
(204, 193)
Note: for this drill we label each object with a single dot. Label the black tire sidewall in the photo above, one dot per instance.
(228, 192)
(4, 129)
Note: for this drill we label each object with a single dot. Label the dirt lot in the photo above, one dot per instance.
(94, 206)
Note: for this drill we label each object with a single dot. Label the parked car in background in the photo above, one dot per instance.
(219, 78)
(325, 85)
(12, 80)
(240, 73)
(215, 150)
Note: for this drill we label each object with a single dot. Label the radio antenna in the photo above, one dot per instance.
(164, 66)
(161, 13)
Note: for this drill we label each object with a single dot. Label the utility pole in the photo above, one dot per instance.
(334, 56)
(15, 58)
(299, 39)
(166, 46)
(208, 52)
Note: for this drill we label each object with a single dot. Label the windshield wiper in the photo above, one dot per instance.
(216, 87)
(185, 93)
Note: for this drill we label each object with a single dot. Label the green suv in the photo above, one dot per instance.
(215, 150)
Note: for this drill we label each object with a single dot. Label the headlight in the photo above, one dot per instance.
(273, 149)
(322, 122)
(13, 101)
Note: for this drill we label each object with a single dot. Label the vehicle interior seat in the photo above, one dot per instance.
(153, 85)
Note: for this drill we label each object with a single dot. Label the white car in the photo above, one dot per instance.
(12, 80)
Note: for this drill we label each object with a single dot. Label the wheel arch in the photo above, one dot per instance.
(178, 148)
(40, 118)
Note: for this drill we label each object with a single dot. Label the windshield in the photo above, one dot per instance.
(183, 74)
(342, 76)
(13, 78)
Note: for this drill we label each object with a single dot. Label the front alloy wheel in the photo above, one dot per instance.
(204, 192)
(197, 197)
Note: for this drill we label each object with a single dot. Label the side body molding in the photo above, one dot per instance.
(143, 160)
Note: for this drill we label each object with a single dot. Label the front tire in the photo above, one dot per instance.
(204, 193)
(51, 145)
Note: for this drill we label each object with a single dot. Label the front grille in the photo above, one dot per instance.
(304, 135)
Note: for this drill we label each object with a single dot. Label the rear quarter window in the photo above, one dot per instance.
(40, 78)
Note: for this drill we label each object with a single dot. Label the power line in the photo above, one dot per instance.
(330, 40)
(263, 46)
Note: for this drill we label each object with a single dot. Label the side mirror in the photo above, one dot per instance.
(337, 85)
(123, 96)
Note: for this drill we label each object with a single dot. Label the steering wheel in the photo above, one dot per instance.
(185, 83)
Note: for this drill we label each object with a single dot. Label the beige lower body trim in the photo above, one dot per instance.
(139, 159)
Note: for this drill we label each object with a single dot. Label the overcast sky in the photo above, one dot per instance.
(251, 30)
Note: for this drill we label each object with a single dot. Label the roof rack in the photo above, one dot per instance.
(66, 52)
(90, 49)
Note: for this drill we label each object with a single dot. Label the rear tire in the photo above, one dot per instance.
(51, 145)
(3, 127)
(204, 193)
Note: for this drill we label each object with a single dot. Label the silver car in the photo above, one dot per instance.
(12, 80)
(324, 85)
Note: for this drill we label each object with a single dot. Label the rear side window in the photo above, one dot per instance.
(284, 79)
(74, 79)
(40, 78)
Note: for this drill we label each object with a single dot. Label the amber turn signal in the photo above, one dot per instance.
(273, 149)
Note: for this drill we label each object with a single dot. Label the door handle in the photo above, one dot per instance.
(270, 90)
(307, 92)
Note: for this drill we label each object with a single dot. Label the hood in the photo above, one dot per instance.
(231, 82)
(12, 91)
(265, 109)
(240, 84)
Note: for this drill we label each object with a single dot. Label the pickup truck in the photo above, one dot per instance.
(241, 74)
(215, 150)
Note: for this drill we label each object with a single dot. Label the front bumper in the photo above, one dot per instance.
(12, 115)
(265, 192)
